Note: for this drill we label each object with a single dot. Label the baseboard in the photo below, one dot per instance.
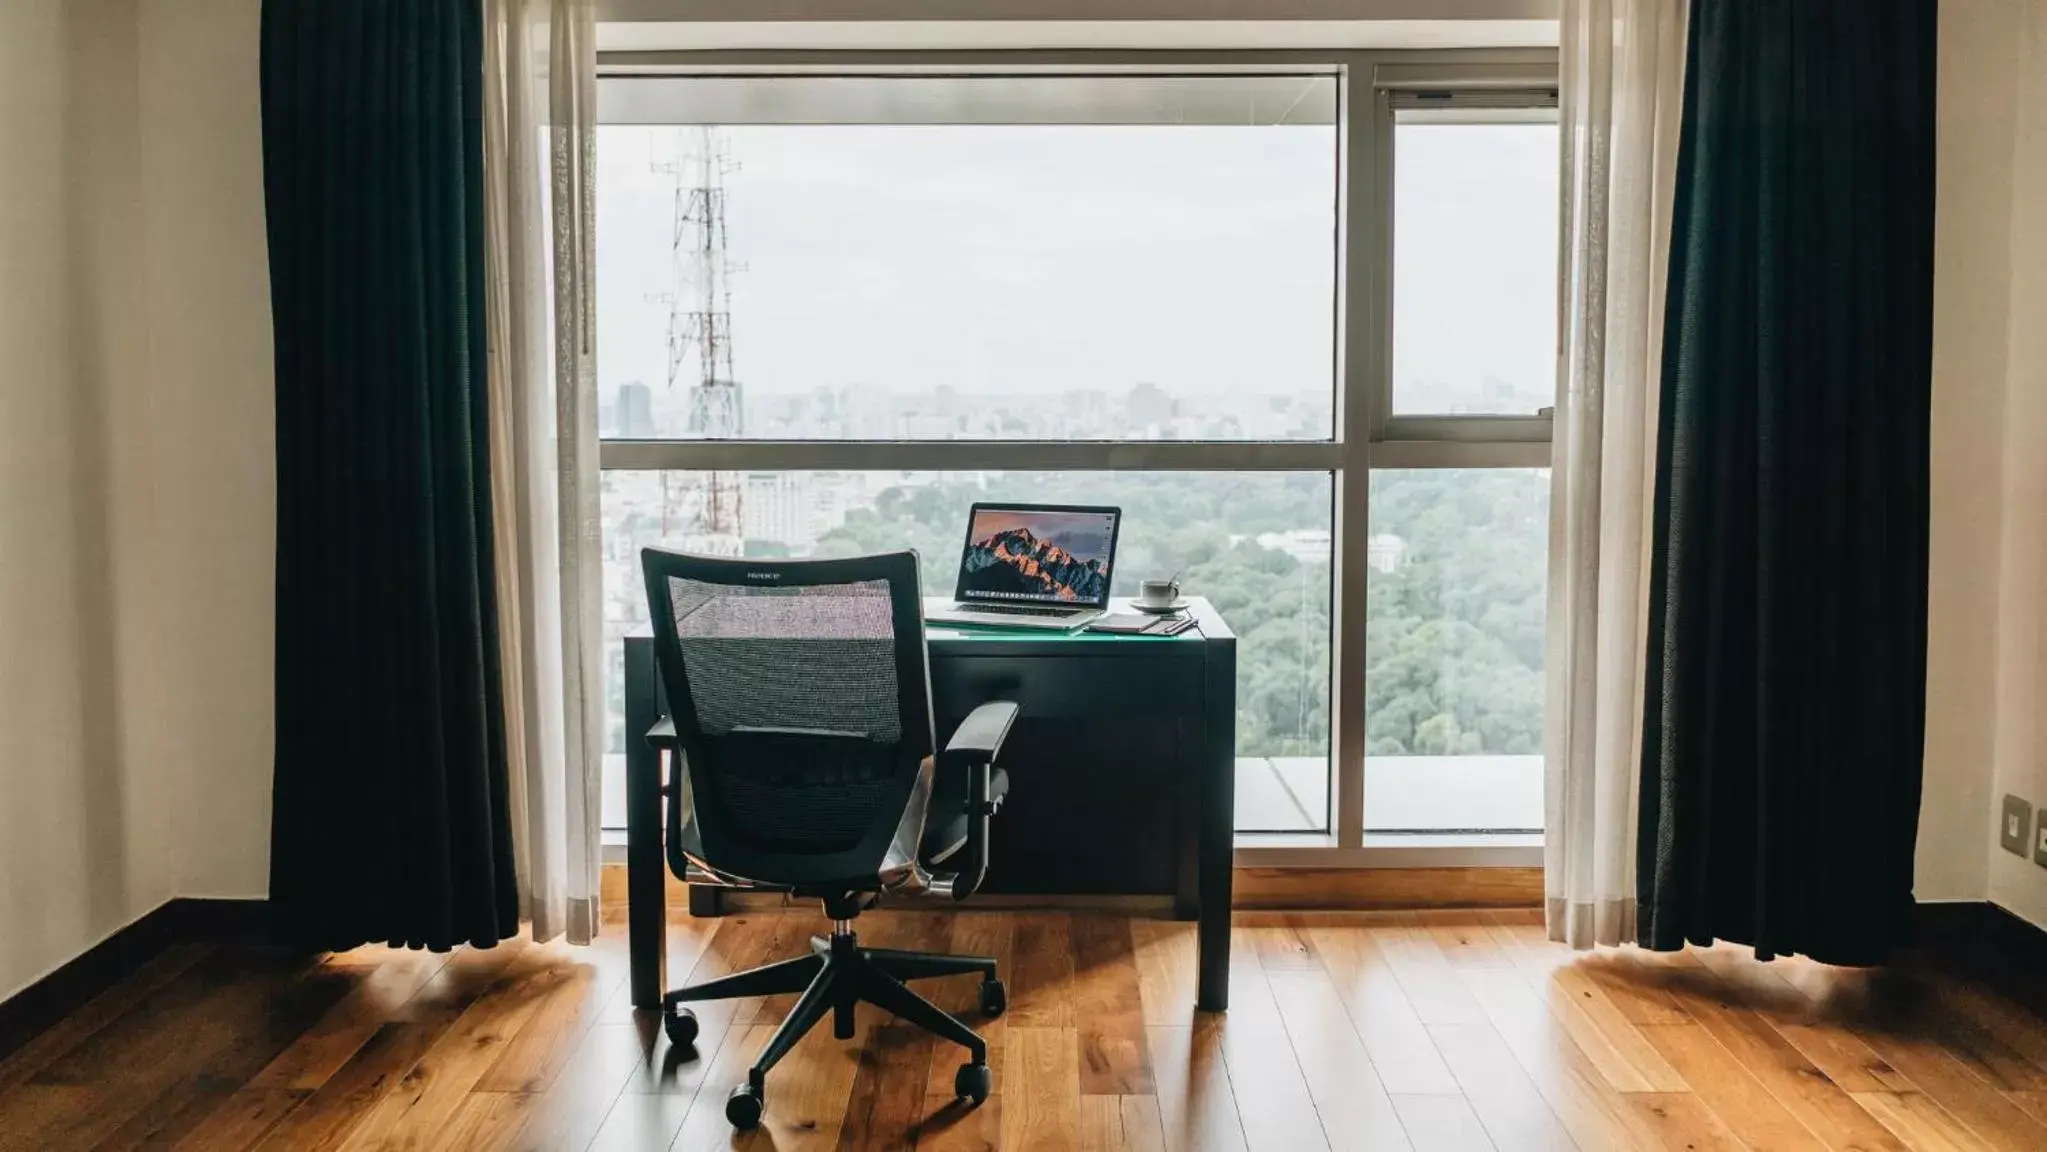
(1259, 888)
(57, 995)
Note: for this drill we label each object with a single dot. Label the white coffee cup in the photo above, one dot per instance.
(1158, 593)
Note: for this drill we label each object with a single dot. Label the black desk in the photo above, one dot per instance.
(1122, 761)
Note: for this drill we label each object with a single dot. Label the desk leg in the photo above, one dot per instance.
(1218, 823)
(646, 868)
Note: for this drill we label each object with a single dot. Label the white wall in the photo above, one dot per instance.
(1977, 66)
(205, 268)
(2020, 763)
(1987, 611)
(82, 847)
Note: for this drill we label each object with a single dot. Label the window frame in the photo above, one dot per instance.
(1366, 434)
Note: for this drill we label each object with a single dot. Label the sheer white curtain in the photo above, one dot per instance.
(1622, 89)
(540, 70)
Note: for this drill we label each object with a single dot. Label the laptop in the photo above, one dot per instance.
(1033, 566)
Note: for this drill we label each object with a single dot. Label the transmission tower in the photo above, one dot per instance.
(700, 320)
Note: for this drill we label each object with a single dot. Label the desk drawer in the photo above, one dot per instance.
(1067, 686)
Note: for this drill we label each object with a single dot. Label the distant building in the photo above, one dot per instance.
(1384, 551)
(776, 508)
(635, 411)
(1147, 405)
(1305, 545)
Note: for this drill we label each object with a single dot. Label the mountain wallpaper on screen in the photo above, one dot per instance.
(1015, 560)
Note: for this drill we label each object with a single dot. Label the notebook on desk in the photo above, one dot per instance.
(1033, 566)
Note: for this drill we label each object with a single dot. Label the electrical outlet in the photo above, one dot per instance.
(2040, 841)
(2011, 831)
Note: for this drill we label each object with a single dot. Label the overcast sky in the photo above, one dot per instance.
(1027, 259)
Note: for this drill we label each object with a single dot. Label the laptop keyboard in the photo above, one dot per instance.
(1014, 610)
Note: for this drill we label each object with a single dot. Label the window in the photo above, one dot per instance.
(836, 306)
(1453, 650)
(1474, 265)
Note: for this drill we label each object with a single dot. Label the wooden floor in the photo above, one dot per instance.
(1347, 1030)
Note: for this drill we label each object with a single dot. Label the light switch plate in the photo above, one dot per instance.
(2040, 840)
(2012, 828)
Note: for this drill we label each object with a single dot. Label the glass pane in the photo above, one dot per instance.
(919, 280)
(1474, 268)
(1453, 649)
(1255, 544)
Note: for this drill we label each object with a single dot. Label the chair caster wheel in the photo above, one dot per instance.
(994, 998)
(743, 1108)
(681, 1025)
(973, 1082)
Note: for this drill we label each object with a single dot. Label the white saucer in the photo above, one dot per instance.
(1160, 609)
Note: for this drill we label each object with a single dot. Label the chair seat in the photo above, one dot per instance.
(945, 821)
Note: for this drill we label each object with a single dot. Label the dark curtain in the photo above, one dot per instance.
(391, 814)
(1787, 650)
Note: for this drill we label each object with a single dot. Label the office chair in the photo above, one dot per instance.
(800, 751)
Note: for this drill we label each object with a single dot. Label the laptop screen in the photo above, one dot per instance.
(1038, 555)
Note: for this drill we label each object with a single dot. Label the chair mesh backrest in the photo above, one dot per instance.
(796, 708)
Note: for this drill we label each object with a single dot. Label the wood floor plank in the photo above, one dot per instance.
(2015, 1026)
(1984, 1110)
(1921, 1124)
(954, 1125)
(1724, 1085)
(1683, 1123)
(53, 1042)
(1280, 946)
(1579, 1094)
(1441, 1124)
(202, 1095)
(1108, 1009)
(1165, 957)
(1041, 1090)
(1638, 1002)
(426, 1097)
(484, 1122)
(642, 1122)
(1197, 1108)
(1426, 976)
(886, 1106)
(1393, 1033)
(1624, 1057)
(1464, 937)
(530, 1063)
(1350, 1100)
(1804, 1091)
(973, 934)
(806, 1093)
(243, 1119)
(137, 1063)
(1120, 1124)
(325, 1118)
(386, 987)
(1507, 1102)
(1041, 971)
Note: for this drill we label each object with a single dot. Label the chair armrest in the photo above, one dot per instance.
(973, 749)
(979, 737)
(662, 734)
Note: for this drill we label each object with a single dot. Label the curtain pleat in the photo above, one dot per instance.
(390, 817)
(1787, 648)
